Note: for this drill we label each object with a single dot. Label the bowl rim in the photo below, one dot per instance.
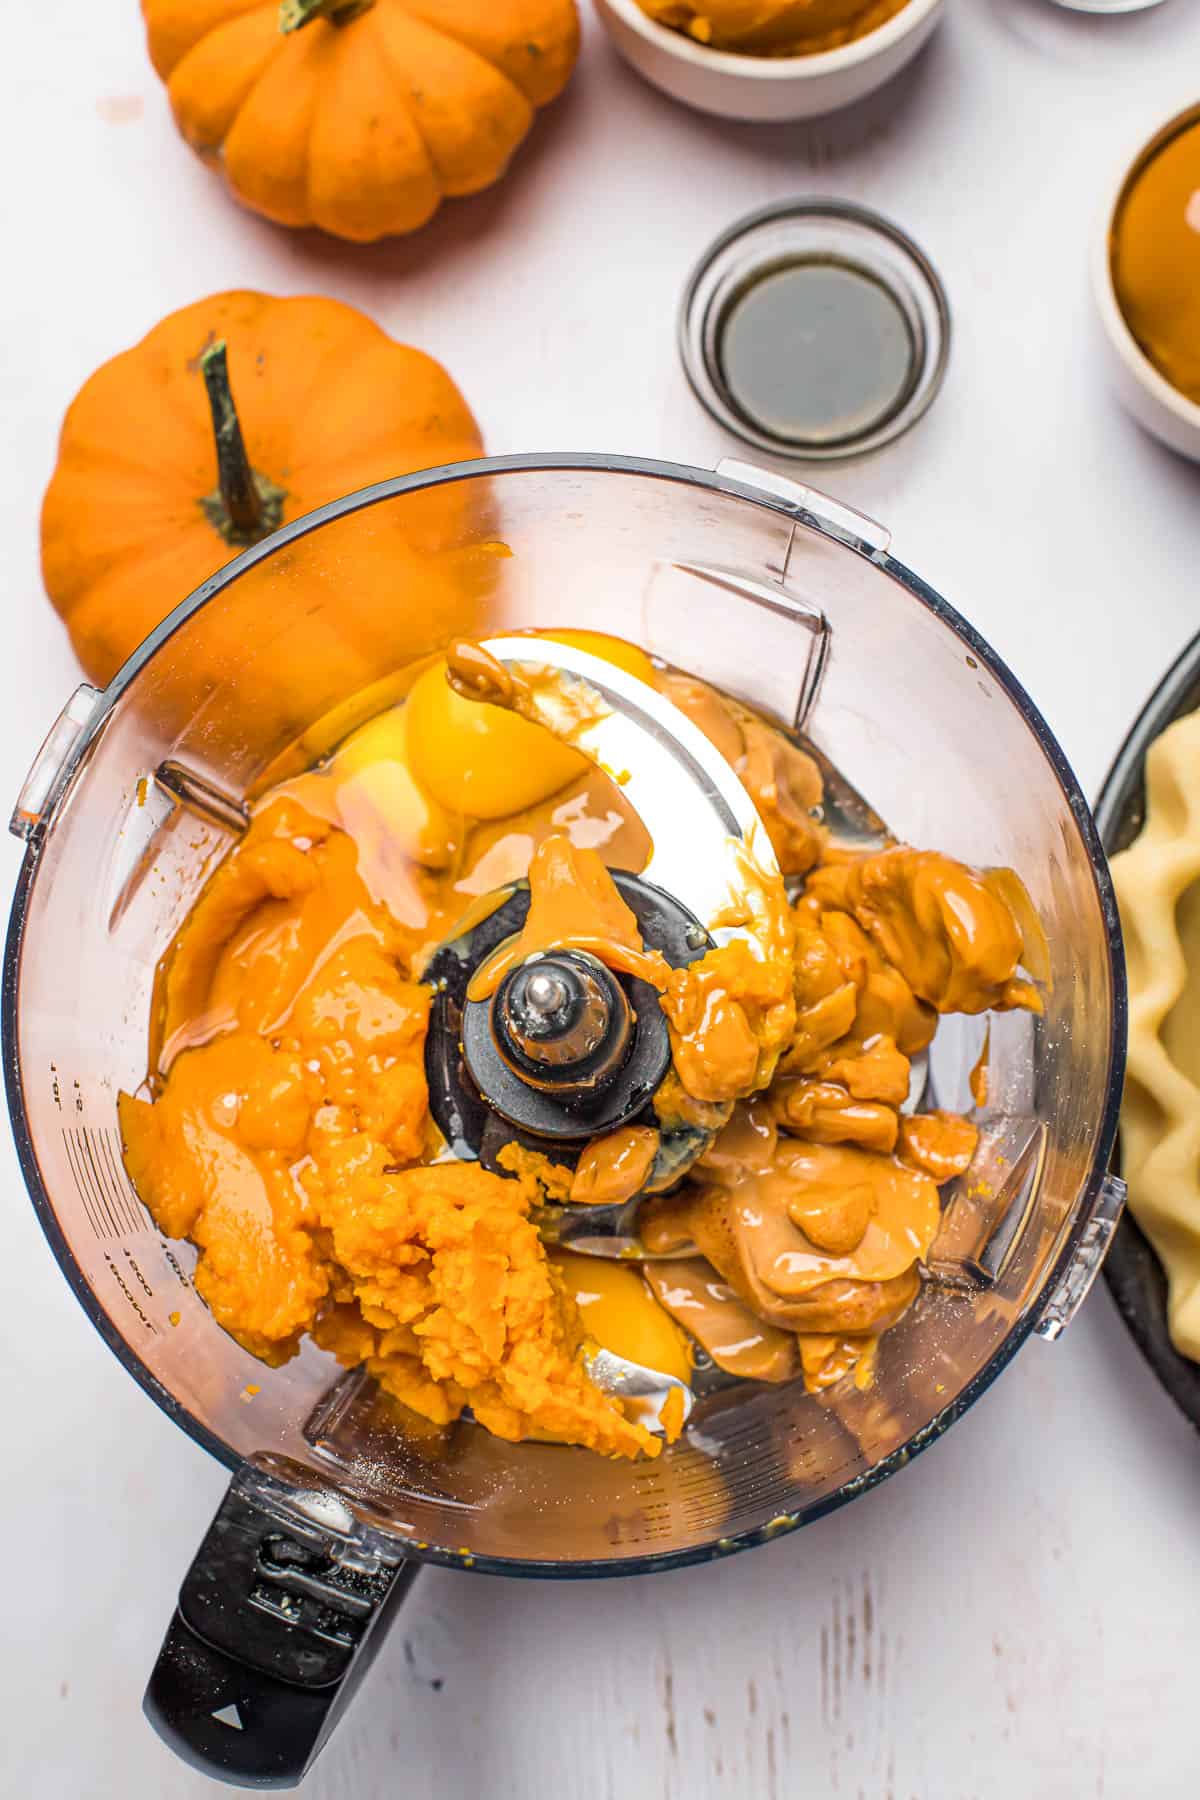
(1116, 325)
(770, 69)
(715, 483)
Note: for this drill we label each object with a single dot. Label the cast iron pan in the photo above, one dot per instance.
(1131, 1268)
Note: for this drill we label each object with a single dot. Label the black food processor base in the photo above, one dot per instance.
(279, 1618)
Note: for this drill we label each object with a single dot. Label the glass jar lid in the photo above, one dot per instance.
(814, 329)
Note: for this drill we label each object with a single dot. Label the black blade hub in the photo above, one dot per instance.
(565, 1049)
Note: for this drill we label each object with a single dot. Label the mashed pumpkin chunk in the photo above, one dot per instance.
(285, 1143)
(446, 1265)
(212, 1159)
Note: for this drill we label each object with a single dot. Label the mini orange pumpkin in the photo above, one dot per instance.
(161, 479)
(359, 115)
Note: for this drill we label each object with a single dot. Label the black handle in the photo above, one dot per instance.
(279, 1618)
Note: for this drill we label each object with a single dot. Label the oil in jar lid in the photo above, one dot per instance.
(815, 329)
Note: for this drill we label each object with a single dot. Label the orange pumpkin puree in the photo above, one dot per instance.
(773, 27)
(1155, 253)
(287, 1132)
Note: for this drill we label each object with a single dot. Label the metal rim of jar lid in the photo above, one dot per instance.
(814, 230)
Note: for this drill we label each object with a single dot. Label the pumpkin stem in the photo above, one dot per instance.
(295, 13)
(245, 506)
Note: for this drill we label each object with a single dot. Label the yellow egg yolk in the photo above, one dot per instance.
(614, 650)
(618, 1311)
(486, 762)
(375, 783)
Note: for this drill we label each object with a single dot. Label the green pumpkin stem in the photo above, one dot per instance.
(295, 13)
(244, 506)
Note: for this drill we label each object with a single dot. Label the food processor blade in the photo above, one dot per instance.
(644, 1391)
(691, 802)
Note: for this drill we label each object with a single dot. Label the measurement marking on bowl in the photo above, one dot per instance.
(110, 1205)
(129, 1294)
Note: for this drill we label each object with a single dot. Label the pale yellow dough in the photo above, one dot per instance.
(1158, 889)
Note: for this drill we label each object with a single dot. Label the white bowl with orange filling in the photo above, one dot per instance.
(769, 59)
(1146, 283)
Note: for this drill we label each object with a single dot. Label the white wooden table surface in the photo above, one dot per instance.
(1016, 1614)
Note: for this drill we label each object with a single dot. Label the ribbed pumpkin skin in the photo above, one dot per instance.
(361, 128)
(328, 403)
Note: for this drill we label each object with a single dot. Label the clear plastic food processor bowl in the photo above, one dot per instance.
(785, 599)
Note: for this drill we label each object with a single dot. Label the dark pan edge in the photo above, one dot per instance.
(1132, 1270)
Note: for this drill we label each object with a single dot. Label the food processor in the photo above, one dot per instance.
(790, 602)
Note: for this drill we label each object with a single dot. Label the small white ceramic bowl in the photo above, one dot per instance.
(1157, 406)
(767, 87)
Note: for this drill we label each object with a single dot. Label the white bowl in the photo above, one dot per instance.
(1157, 406)
(766, 87)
